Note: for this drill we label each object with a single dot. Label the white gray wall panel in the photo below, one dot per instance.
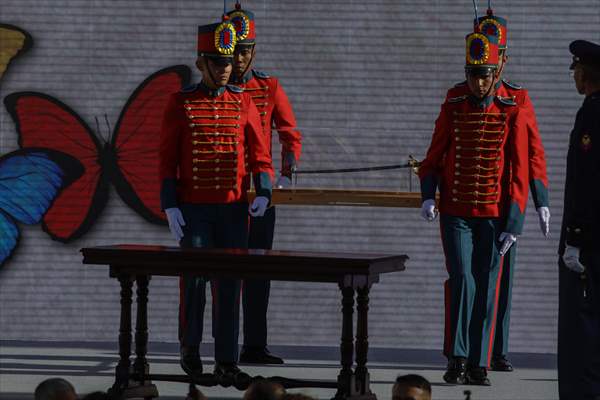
(366, 80)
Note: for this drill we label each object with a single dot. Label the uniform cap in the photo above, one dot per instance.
(481, 52)
(493, 25)
(586, 53)
(243, 21)
(217, 40)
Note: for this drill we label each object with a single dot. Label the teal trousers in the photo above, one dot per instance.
(474, 265)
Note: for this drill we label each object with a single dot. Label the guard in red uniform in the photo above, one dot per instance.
(478, 159)
(494, 25)
(275, 111)
(211, 140)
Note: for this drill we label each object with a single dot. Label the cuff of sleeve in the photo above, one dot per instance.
(262, 184)
(515, 220)
(539, 193)
(428, 187)
(288, 163)
(168, 194)
(574, 236)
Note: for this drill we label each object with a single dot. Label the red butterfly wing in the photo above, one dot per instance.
(43, 121)
(137, 137)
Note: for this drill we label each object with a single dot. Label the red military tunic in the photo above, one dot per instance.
(274, 109)
(205, 137)
(538, 178)
(479, 158)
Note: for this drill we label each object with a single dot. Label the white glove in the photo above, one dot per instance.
(507, 240)
(176, 221)
(571, 259)
(259, 206)
(544, 216)
(428, 210)
(283, 182)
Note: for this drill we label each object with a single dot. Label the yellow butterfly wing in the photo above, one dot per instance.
(13, 40)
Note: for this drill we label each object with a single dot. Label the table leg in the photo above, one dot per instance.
(140, 367)
(362, 344)
(345, 377)
(122, 370)
(141, 328)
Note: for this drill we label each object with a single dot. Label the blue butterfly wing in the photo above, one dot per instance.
(30, 180)
(28, 184)
(9, 236)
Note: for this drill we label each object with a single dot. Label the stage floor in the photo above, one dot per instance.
(90, 367)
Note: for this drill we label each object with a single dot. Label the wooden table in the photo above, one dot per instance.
(354, 273)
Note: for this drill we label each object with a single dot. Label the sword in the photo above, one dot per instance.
(412, 163)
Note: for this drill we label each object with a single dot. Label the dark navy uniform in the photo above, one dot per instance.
(579, 294)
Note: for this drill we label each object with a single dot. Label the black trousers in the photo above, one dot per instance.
(255, 292)
(579, 330)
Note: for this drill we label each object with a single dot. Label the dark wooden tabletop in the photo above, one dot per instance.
(286, 265)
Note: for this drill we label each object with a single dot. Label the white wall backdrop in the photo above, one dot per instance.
(366, 79)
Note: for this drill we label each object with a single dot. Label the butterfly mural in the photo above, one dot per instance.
(13, 40)
(129, 159)
(30, 180)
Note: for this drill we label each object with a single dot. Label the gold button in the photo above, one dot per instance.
(195, 187)
(191, 125)
(454, 199)
(237, 126)
(458, 147)
(454, 191)
(217, 161)
(216, 178)
(195, 177)
(456, 173)
(218, 187)
(456, 130)
(217, 169)
(216, 116)
(458, 156)
(457, 165)
(186, 101)
(195, 169)
(456, 182)
(457, 138)
(194, 151)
